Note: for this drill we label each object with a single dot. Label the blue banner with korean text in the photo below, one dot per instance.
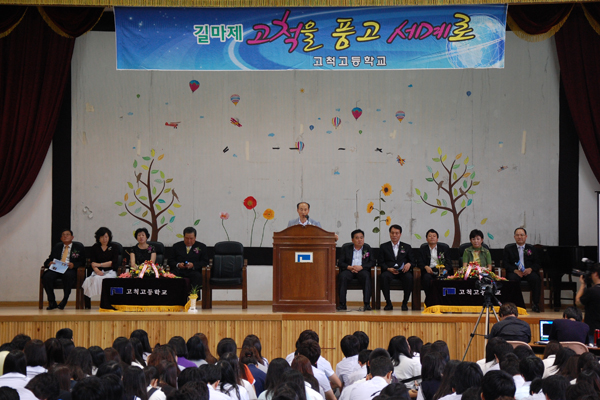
(305, 38)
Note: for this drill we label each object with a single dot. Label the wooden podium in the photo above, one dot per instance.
(303, 270)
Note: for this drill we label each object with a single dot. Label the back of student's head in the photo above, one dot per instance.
(125, 349)
(15, 361)
(197, 388)
(142, 336)
(54, 351)
(306, 335)
(467, 374)
(502, 348)
(523, 351)
(381, 366)
(64, 333)
(44, 386)
(178, 344)
(395, 391)
(226, 345)
(555, 386)
(67, 346)
(189, 374)
(496, 384)
(490, 348)
(7, 393)
(195, 348)
(562, 357)
(289, 391)
(80, 359)
(150, 374)
(415, 343)
(398, 346)
(510, 364)
(19, 341)
(552, 348)
(579, 390)
(363, 339)
(275, 372)
(441, 347)
(531, 368)
(35, 353)
(472, 393)
(134, 383)
(97, 354)
(90, 388)
(432, 366)
(363, 356)
(292, 379)
(447, 378)
(350, 345)
(113, 385)
(311, 350)
(574, 313)
(110, 367)
(161, 353)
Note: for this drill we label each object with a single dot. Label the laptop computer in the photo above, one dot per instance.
(545, 327)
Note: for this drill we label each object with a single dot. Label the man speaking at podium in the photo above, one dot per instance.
(303, 208)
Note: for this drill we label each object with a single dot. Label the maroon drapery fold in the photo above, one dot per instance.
(578, 48)
(34, 65)
(10, 16)
(538, 19)
(71, 21)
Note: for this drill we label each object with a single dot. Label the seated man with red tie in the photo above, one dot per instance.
(189, 257)
(356, 261)
(521, 263)
(71, 254)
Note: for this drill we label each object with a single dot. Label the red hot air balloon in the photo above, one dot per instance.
(356, 113)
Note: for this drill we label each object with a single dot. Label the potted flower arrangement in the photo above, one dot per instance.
(474, 271)
(147, 270)
(194, 292)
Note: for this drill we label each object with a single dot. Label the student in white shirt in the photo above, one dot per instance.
(510, 364)
(361, 373)
(497, 384)
(381, 375)
(406, 368)
(231, 383)
(35, 353)
(531, 368)
(466, 375)
(311, 350)
(350, 347)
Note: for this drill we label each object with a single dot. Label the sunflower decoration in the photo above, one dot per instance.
(386, 189)
(370, 207)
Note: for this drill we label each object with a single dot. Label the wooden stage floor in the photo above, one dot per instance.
(278, 331)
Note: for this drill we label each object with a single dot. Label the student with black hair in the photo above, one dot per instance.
(415, 343)
(579, 390)
(447, 376)
(406, 368)
(19, 341)
(249, 359)
(243, 375)
(37, 358)
(134, 384)
(7, 393)
(381, 375)
(113, 385)
(560, 362)
(274, 377)
(64, 333)
(432, 368)
(15, 370)
(523, 351)
(311, 350)
(142, 336)
(510, 365)
(180, 348)
(531, 368)
(393, 391)
(350, 348)
(196, 352)
(379, 352)
(98, 358)
(466, 375)
(496, 384)
(211, 374)
(570, 328)
(54, 352)
(254, 341)
(198, 387)
(555, 387)
(363, 339)
(495, 350)
(360, 373)
(230, 382)
(90, 388)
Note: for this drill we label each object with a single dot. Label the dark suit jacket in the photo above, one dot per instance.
(511, 257)
(76, 254)
(425, 256)
(198, 255)
(386, 257)
(368, 260)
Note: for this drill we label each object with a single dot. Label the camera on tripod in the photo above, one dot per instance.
(487, 285)
(586, 270)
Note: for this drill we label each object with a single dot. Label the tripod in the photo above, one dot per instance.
(487, 306)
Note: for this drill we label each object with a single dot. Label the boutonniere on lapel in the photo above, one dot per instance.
(196, 250)
(74, 254)
(402, 249)
(528, 252)
(150, 249)
(110, 248)
(441, 260)
(365, 254)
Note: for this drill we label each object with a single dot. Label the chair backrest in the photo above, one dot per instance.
(228, 261)
(517, 343)
(160, 251)
(464, 246)
(119, 249)
(577, 347)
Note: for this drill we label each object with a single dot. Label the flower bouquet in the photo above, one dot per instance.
(147, 270)
(474, 271)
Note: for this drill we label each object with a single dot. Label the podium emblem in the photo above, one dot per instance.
(304, 257)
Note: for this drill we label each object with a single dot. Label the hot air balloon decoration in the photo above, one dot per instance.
(194, 85)
(356, 112)
(336, 121)
(235, 98)
(400, 115)
(300, 146)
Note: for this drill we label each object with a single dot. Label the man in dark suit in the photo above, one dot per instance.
(355, 262)
(521, 263)
(70, 253)
(189, 256)
(396, 260)
(433, 254)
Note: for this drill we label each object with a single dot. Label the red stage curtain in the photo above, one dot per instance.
(34, 67)
(537, 22)
(578, 48)
(10, 17)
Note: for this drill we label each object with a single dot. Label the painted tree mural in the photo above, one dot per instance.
(150, 197)
(456, 182)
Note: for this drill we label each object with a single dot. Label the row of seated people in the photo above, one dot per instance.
(131, 369)
(396, 259)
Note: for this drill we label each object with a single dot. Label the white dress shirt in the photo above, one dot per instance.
(452, 396)
(407, 368)
(233, 395)
(14, 380)
(357, 256)
(434, 257)
(322, 378)
(311, 394)
(216, 395)
(346, 367)
(357, 375)
(368, 389)
(34, 371)
(322, 364)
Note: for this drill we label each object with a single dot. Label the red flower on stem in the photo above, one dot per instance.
(250, 202)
